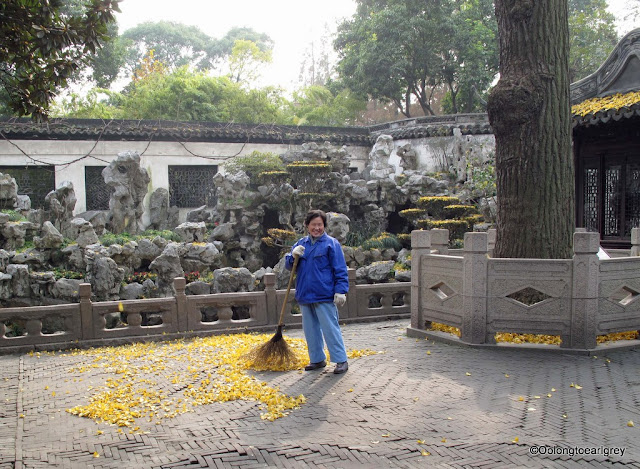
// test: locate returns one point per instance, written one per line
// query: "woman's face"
(316, 227)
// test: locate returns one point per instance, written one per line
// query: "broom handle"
(286, 295)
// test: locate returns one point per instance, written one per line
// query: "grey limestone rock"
(130, 184)
(50, 237)
(167, 266)
(191, 232)
(19, 280)
(66, 289)
(230, 279)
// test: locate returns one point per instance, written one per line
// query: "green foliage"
(166, 234)
(592, 36)
(482, 181)
(13, 215)
(59, 273)
(246, 60)
(458, 211)
(254, 164)
(435, 205)
(402, 50)
(318, 105)
(107, 239)
(383, 241)
(44, 45)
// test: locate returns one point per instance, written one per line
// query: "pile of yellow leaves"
(513, 338)
(616, 101)
(156, 381)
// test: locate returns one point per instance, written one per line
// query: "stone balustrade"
(87, 323)
(577, 299)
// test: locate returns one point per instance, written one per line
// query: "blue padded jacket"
(321, 271)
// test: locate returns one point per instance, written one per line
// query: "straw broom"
(276, 353)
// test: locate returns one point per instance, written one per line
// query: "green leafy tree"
(43, 46)
(592, 36)
(318, 105)
(246, 60)
(405, 51)
(186, 95)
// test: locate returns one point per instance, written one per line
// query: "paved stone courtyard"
(419, 404)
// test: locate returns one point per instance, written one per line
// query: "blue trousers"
(321, 320)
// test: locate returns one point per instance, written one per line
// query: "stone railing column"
(420, 247)
(585, 290)
(635, 242)
(440, 240)
(474, 288)
(86, 310)
(352, 296)
(272, 301)
(179, 285)
(492, 236)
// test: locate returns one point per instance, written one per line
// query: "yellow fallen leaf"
(96, 455)
(549, 395)
(444, 440)
(428, 352)
(521, 398)
(350, 390)
(21, 416)
(630, 423)
(386, 435)
(578, 387)
(99, 432)
(506, 375)
(421, 442)
(553, 389)
(536, 397)
(572, 385)
(468, 374)
(120, 306)
(515, 440)
(425, 453)
(564, 416)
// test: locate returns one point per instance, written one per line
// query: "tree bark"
(530, 114)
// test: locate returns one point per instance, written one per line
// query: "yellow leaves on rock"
(160, 380)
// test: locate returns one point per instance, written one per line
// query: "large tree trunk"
(530, 115)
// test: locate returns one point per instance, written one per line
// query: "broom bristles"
(273, 354)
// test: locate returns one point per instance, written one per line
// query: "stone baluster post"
(420, 247)
(182, 310)
(86, 311)
(352, 296)
(635, 242)
(474, 288)
(584, 301)
(440, 241)
(271, 299)
(492, 236)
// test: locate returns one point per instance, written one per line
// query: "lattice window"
(632, 198)
(34, 181)
(191, 186)
(611, 194)
(591, 199)
(98, 193)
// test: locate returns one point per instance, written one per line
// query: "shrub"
(456, 228)
(255, 163)
(14, 216)
(384, 241)
(435, 205)
(140, 277)
(71, 274)
(458, 211)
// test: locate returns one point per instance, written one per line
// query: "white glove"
(339, 299)
(298, 251)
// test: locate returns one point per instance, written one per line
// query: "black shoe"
(315, 366)
(341, 368)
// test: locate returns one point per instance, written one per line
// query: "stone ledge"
(447, 338)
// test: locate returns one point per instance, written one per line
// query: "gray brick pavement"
(460, 405)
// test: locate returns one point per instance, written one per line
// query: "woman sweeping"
(321, 285)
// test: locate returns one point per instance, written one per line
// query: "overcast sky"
(292, 24)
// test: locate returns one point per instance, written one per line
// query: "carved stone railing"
(577, 299)
(86, 323)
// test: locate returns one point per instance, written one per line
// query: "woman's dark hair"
(315, 214)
